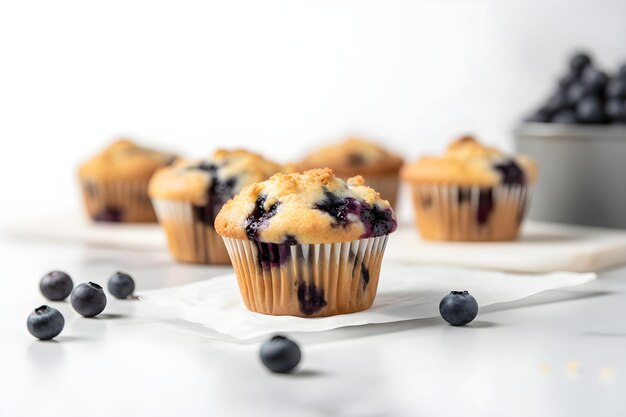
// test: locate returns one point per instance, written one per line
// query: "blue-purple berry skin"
(458, 308)
(121, 285)
(56, 285)
(45, 323)
(280, 354)
(88, 299)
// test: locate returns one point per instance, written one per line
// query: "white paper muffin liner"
(118, 201)
(387, 185)
(314, 280)
(445, 212)
(189, 238)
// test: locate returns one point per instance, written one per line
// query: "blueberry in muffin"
(114, 183)
(189, 194)
(356, 156)
(307, 245)
(472, 192)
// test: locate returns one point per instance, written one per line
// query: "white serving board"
(543, 247)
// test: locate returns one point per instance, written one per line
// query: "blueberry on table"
(565, 116)
(88, 299)
(45, 322)
(590, 110)
(458, 308)
(56, 285)
(280, 354)
(579, 62)
(121, 285)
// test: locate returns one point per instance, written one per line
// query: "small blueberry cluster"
(87, 299)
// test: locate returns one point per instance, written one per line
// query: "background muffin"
(355, 156)
(308, 244)
(472, 192)
(114, 183)
(189, 194)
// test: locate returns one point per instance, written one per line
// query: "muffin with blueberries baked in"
(471, 193)
(307, 245)
(355, 156)
(114, 183)
(188, 195)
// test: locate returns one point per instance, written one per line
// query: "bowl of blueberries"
(578, 137)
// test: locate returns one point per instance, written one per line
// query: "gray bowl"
(582, 173)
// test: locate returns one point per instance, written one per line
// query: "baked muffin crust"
(468, 162)
(309, 208)
(354, 155)
(224, 173)
(124, 160)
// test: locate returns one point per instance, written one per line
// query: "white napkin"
(404, 293)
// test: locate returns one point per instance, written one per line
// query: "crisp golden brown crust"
(467, 162)
(296, 208)
(189, 180)
(351, 157)
(123, 160)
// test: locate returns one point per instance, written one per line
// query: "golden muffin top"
(217, 178)
(308, 208)
(124, 160)
(468, 162)
(353, 156)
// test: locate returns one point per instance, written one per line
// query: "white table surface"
(561, 353)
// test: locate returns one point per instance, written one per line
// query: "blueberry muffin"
(188, 195)
(114, 183)
(307, 245)
(355, 156)
(471, 193)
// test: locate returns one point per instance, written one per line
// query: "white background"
(275, 76)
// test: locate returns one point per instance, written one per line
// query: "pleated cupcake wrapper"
(189, 238)
(313, 280)
(445, 212)
(118, 201)
(386, 185)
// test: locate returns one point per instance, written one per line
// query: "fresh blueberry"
(579, 62)
(590, 110)
(540, 116)
(615, 110)
(565, 116)
(45, 322)
(88, 299)
(575, 93)
(594, 80)
(56, 285)
(121, 285)
(557, 102)
(567, 80)
(458, 308)
(616, 88)
(280, 354)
